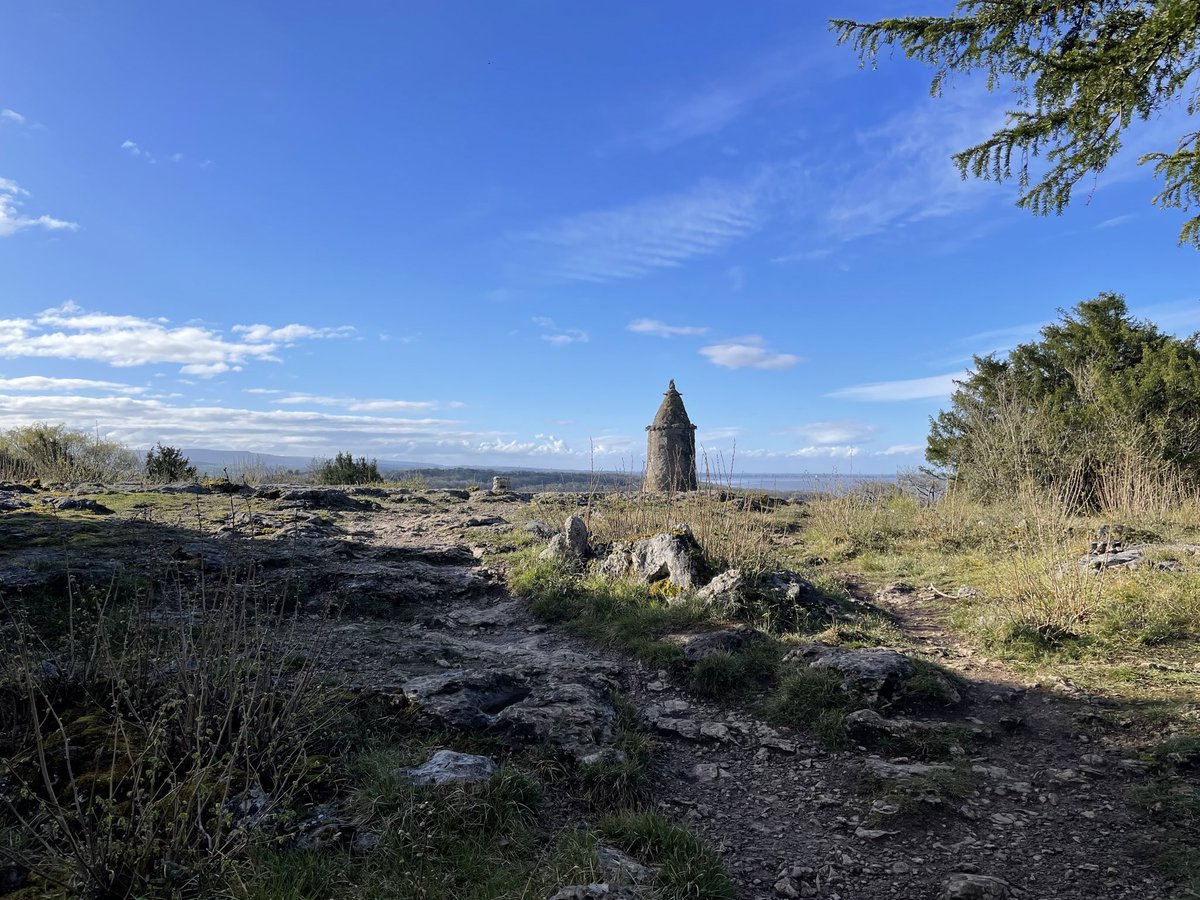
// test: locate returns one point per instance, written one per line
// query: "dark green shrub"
(345, 469)
(168, 464)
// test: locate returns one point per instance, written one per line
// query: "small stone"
(706, 772)
(622, 870)
(787, 887)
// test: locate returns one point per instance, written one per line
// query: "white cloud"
(355, 405)
(11, 115)
(837, 431)
(542, 445)
(833, 451)
(289, 333)
(133, 148)
(45, 383)
(747, 352)
(658, 233)
(662, 329)
(931, 388)
(718, 433)
(139, 420)
(11, 220)
(69, 332)
(559, 337)
(261, 391)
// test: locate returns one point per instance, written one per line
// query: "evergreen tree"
(1101, 396)
(1081, 70)
(168, 464)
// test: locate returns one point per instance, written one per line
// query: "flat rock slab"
(899, 771)
(574, 718)
(703, 644)
(969, 886)
(449, 767)
(875, 676)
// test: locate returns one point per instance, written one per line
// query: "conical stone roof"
(672, 414)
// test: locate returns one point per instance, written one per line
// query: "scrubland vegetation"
(174, 735)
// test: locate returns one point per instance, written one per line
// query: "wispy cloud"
(559, 337)
(663, 330)
(675, 116)
(290, 333)
(836, 431)
(747, 352)
(70, 332)
(11, 116)
(635, 240)
(1179, 317)
(354, 404)
(718, 434)
(903, 172)
(135, 149)
(11, 219)
(45, 383)
(541, 445)
(1115, 221)
(933, 387)
(831, 451)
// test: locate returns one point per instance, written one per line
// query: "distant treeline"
(523, 480)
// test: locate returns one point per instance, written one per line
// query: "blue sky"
(489, 233)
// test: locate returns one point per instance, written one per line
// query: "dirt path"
(1039, 803)
(1044, 808)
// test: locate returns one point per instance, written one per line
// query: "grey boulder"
(875, 677)
(700, 645)
(449, 767)
(672, 556)
(571, 544)
(969, 886)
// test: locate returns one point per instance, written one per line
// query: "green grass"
(473, 841)
(614, 613)
(634, 617)
(724, 674)
(811, 699)
(619, 784)
(1172, 798)
(688, 869)
(864, 631)
(919, 796)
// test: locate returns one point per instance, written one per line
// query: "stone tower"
(671, 447)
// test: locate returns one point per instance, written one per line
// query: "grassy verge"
(1172, 798)
(1024, 597)
(634, 618)
(180, 738)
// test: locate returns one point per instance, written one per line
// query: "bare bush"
(59, 453)
(151, 745)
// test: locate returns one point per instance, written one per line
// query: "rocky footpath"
(1028, 801)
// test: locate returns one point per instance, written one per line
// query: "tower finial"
(671, 385)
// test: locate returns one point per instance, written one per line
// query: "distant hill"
(213, 462)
